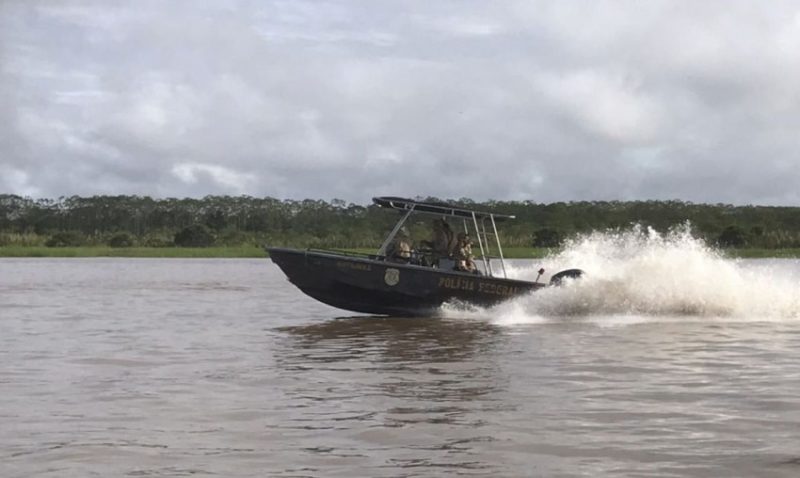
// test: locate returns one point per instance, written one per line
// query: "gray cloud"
(519, 100)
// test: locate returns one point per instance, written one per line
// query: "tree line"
(240, 220)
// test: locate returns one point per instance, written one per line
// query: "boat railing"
(416, 258)
(419, 257)
(482, 223)
(348, 253)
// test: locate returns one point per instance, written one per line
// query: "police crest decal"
(392, 277)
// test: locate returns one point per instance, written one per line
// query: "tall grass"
(24, 240)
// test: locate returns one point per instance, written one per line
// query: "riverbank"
(155, 252)
(258, 252)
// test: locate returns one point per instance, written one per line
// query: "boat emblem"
(392, 277)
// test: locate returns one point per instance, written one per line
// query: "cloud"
(549, 101)
(193, 173)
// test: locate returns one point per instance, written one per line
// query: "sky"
(506, 100)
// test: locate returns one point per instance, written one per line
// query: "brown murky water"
(139, 367)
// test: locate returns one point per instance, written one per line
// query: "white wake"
(640, 272)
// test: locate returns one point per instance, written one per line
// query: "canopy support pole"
(390, 237)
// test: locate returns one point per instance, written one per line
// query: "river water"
(170, 367)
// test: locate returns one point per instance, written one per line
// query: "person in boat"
(400, 249)
(462, 254)
(448, 239)
(442, 240)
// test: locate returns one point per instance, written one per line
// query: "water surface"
(140, 367)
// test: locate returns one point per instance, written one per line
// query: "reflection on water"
(393, 339)
(371, 376)
(413, 357)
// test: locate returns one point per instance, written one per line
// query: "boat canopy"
(434, 208)
(478, 219)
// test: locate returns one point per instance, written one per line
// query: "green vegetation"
(195, 235)
(257, 252)
(526, 252)
(224, 226)
(765, 253)
(65, 239)
(121, 239)
(108, 251)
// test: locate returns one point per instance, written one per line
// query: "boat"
(415, 282)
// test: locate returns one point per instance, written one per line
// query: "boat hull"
(373, 286)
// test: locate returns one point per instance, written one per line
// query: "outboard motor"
(541, 271)
(559, 277)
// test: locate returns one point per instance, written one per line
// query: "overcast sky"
(511, 100)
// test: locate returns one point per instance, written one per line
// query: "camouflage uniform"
(462, 254)
(442, 237)
(400, 249)
(403, 249)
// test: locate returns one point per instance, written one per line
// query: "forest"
(127, 221)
